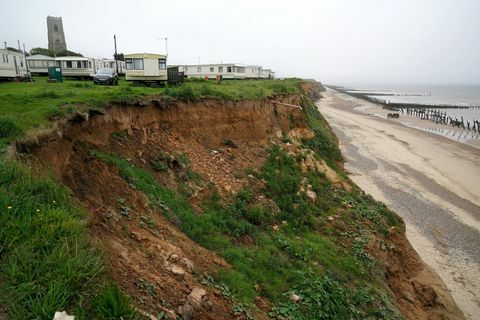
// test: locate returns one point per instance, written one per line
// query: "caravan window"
(211, 69)
(69, 64)
(220, 69)
(229, 69)
(134, 63)
(162, 64)
(79, 64)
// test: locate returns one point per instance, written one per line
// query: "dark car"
(106, 76)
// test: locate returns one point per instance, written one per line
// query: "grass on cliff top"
(28, 105)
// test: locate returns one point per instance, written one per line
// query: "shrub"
(160, 166)
(324, 142)
(322, 297)
(185, 93)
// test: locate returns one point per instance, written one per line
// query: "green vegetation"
(300, 256)
(51, 53)
(32, 105)
(47, 263)
(112, 304)
(324, 143)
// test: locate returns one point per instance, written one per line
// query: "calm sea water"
(468, 95)
(436, 95)
(453, 94)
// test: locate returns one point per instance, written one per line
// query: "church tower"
(56, 36)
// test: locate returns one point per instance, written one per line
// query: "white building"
(72, 66)
(13, 65)
(226, 70)
(146, 67)
(210, 71)
(267, 74)
(110, 63)
(39, 63)
(253, 72)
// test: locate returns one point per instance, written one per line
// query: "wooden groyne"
(424, 111)
(441, 117)
(398, 105)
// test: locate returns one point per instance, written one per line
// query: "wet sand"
(429, 180)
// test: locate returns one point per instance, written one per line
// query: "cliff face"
(128, 165)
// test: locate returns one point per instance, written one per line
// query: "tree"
(13, 49)
(65, 53)
(42, 51)
(51, 53)
(119, 56)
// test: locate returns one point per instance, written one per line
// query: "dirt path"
(429, 180)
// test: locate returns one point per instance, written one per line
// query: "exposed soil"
(223, 140)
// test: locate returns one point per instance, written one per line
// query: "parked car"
(105, 76)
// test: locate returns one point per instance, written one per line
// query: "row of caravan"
(226, 71)
(136, 67)
(72, 66)
(153, 67)
(15, 65)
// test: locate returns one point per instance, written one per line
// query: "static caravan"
(146, 67)
(226, 70)
(110, 63)
(73, 66)
(267, 74)
(13, 65)
(39, 63)
(253, 72)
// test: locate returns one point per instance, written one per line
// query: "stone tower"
(56, 37)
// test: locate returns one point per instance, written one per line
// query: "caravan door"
(151, 67)
(17, 71)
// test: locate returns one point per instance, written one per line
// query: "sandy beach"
(431, 181)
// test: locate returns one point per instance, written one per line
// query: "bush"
(324, 142)
(195, 80)
(185, 93)
(322, 297)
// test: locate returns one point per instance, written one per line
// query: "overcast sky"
(335, 41)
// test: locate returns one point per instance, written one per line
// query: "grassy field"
(28, 105)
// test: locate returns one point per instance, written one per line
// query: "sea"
(437, 95)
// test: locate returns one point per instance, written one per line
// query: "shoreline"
(447, 131)
(428, 179)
